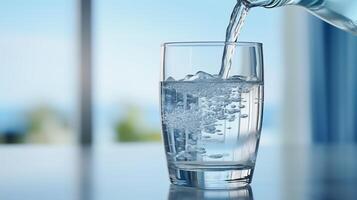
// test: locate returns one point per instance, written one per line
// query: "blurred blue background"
(39, 64)
(38, 71)
(310, 98)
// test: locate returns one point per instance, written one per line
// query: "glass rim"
(212, 43)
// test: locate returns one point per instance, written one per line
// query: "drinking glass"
(211, 124)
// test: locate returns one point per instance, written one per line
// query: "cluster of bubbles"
(196, 107)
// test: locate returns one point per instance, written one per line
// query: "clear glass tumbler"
(211, 124)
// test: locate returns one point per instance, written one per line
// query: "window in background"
(333, 84)
(127, 38)
(38, 71)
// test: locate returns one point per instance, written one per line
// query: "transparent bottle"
(340, 13)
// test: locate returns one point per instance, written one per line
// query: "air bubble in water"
(243, 116)
(194, 137)
(192, 142)
(232, 118)
(232, 111)
(215, 156)
(201, 150)
(198, 110)
(210, 129)
(179, 139)
(236, 99)
(180, 155)
(245, 90)
(222, 117)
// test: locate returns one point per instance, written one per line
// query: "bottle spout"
(265, 3)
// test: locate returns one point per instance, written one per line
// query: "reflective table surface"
(138, 171)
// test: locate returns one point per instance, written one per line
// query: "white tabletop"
(138, 171)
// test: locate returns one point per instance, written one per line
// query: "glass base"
(180, 193)
(211, 179)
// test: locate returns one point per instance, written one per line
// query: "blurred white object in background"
(296, 78)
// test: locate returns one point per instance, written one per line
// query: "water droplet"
(233, 106)
(242, 106)
(229, 128)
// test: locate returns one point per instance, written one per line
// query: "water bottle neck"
(278, 3)
(269, 3)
